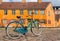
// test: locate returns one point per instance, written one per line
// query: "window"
(55, 8)
(24, 21)
(59, 8)
(13, 12)
(35, 11)
(5, 21)
(12, 20)
(29, 12)
(42, 12)
(42, 21)
(56, 12)
(29, 20)
(49, 13)
(49, 22)
(21, 12)
(5, 12)
(51, 8)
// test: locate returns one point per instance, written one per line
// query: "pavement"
(47, 34)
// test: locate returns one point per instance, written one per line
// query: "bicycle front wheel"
(10, 30)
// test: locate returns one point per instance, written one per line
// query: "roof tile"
(20, 5)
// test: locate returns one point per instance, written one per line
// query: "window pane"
(42, 12)
(59, 12)
(35, 11)
(13, 12)
(21, 12)
(56, 12)
(4, 21)
(42, 21)
(49, 13)
(49, 22)
(5, 12)
(12, 20)
(29, 12)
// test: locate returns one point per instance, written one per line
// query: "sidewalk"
(48, 34)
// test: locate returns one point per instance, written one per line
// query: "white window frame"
(29, 12)
(21, 11)
(42, 21)
(13, 12)
(5, 12)
(5, 21)
(13, 20)
(49, 13)
(36, 11)
(42, 12)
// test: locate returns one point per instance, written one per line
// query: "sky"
(54, 2)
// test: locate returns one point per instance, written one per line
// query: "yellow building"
(42, 11)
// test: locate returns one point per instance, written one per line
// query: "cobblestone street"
(47, 34)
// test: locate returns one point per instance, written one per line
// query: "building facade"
(57, 15)
(42, 11)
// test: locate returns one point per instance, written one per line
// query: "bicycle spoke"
(10, 30)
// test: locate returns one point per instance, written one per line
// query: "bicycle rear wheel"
(35, 28)
(10, 30)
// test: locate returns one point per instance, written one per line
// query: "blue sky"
(54, 2)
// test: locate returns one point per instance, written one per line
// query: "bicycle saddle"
(18, 17)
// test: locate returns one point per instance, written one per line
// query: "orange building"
(42, 11)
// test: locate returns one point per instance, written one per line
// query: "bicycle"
(15, 28)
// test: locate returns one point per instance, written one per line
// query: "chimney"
(0, 1)
(39, 0)
(23, 0)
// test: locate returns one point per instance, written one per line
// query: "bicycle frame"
(23, 29)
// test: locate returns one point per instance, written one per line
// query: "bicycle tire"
(35, 28)
(12, 36)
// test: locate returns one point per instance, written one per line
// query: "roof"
(26, 5)
(56, 6)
